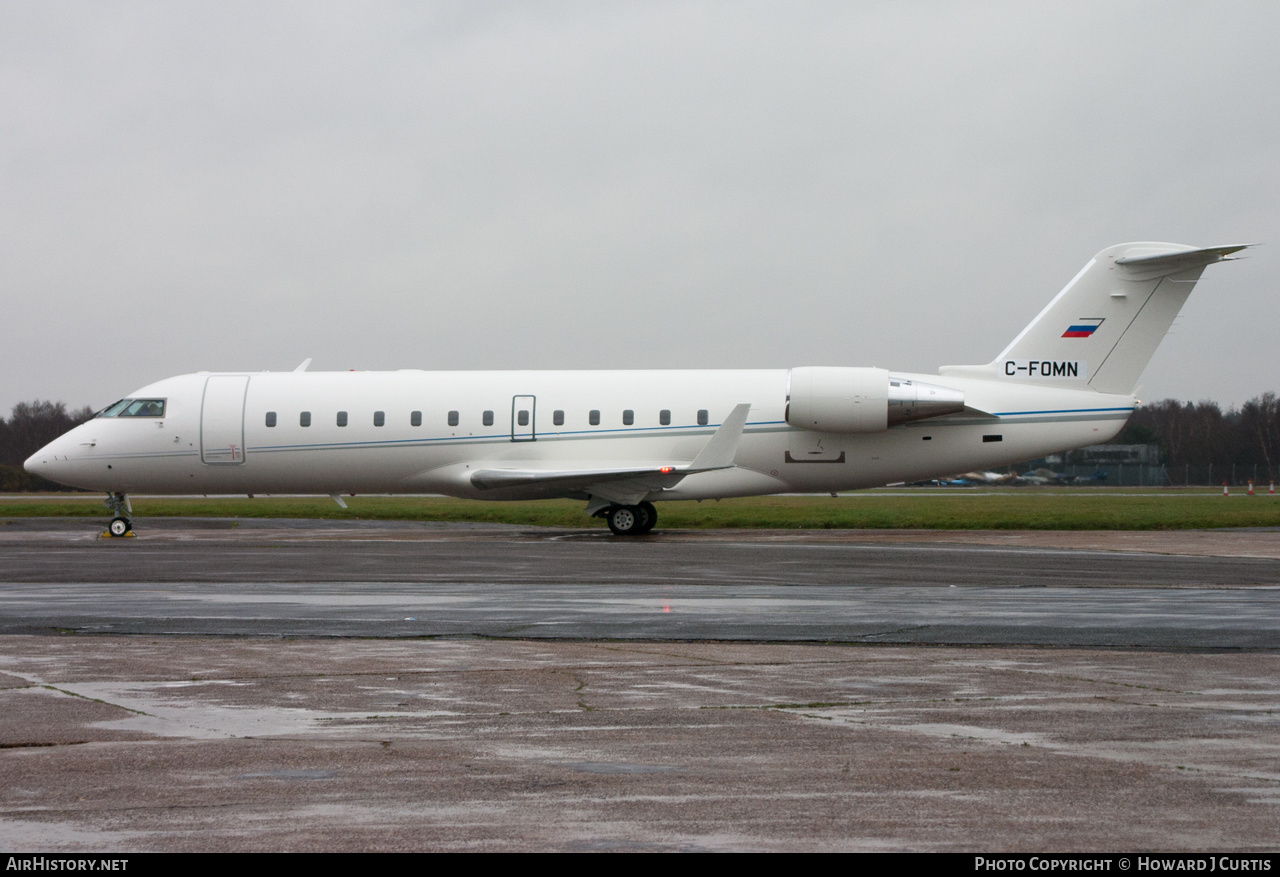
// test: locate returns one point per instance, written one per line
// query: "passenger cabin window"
(342, 418)
(664, 417)
(557, 417)
(488, 418)
(702, 417)
(379, 418)
(628, 417)
(453, 418)
(415, 418)
(271, 418)
(304, 419)
(135, 408)
(594, 418)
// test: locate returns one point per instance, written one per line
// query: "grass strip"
(1022, 509)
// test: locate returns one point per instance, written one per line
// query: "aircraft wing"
(629, 485)
(624, 486)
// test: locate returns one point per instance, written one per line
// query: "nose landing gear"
(122, 523)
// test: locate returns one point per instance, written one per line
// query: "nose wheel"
(122, 523)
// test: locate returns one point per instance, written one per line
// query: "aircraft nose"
(51, 461)
(39, 463)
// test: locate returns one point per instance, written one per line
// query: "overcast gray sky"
(232, 186)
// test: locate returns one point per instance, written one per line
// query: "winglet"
(303, 367)
(723, 446)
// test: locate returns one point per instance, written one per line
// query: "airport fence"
(1147, 475)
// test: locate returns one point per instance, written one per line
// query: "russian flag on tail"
(1083, 327)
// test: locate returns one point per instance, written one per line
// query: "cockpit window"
(135, 408)
(113, 409)
(144, 408)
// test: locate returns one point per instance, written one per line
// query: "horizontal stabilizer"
(1178, 260)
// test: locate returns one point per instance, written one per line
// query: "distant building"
(1107, 455)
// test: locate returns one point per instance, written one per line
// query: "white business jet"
(624, 440)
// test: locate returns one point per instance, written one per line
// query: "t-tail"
(1103, 328)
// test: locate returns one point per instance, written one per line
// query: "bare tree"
(31, 426)
(1260, 422)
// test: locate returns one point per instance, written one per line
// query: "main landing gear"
(122, 523)
(631, 520)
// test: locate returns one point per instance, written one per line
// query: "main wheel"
(650, 515)
(119, 526)
(624, 520)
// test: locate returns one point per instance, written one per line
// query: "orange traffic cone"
(1225, 492)
(1272, 491)
(1251, 488)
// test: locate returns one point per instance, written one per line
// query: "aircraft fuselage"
(398, 436)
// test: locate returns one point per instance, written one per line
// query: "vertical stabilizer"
(1105, 325)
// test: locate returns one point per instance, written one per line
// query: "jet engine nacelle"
(827, 399)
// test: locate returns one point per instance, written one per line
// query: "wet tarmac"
(374, 579)
(306, 686)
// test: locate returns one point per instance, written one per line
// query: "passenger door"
(222, 419)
